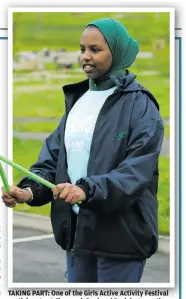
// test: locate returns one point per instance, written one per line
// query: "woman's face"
(95, 57)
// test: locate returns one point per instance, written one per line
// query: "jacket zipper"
(72, 257)
(73, 248)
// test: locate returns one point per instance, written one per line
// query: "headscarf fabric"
(123, 47)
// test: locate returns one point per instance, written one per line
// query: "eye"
(95, 50)
(82, 49)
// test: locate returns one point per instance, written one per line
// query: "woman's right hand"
(15, 195)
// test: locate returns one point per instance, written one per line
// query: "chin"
(92, 76)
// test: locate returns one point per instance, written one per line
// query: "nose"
(86, 56)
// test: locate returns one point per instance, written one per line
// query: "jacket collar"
(81, 87)
(124, 84)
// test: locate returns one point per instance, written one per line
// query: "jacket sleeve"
(45, 167)
(119, 188)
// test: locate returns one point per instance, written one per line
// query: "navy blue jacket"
(119, 217)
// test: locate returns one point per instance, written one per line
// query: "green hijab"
(123, 47)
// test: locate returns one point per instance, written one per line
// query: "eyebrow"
(90, 45)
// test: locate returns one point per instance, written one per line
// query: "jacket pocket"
(60, 220)
(140, 226)
(109, 234)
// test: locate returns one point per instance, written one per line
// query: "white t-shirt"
(79, 131)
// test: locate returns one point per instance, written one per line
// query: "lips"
(88, 67)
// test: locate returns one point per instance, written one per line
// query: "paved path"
(43, 261)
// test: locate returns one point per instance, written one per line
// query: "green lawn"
(164, 195)
(26, 152)
(49, 103)
(167, 130)
(34, 31)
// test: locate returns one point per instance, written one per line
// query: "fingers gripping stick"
(26, 172)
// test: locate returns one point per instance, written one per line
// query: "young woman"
(104, 153)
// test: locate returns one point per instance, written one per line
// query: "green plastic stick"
(3, 176)
(26, 172)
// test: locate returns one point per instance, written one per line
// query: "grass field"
(55, 31)
(63, 30)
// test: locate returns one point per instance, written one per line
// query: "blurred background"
(46, 57)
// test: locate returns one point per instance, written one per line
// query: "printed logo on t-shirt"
(85, 125)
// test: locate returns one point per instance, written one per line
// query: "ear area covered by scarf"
(123, 47)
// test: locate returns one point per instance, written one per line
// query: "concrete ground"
(38, 259)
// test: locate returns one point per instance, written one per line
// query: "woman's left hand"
(70, 193)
